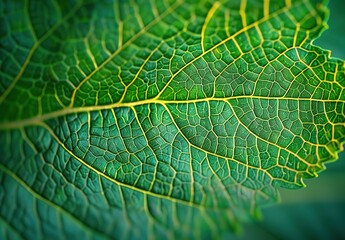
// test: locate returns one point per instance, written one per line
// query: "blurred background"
(317, 211)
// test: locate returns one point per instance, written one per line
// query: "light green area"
(157, 119)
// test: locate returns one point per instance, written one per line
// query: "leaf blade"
(176, 118)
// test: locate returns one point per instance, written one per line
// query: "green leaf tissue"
(150, 119)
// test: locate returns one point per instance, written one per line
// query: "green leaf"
(152, 119)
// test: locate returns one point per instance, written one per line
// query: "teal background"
(317, 211)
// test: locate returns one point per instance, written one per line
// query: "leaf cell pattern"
(124, 119)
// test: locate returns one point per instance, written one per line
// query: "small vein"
(47, 201)
(266, 7)
(254, 24)
(243, 12)
(227, 22)
(209, 16)
(288, 3)
(154, 8)
(125, 212)
(117, 51)
(15, 230)
(203, 150)
(137, 14)
(140, 70)
(26, 7)
(264, 140)
(120, 184)
(140, 124)
(120, 23)
(34, 48)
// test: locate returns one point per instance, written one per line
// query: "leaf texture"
(151, 119)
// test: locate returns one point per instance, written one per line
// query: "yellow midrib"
(74, 110)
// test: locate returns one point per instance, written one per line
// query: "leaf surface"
(154, 118)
